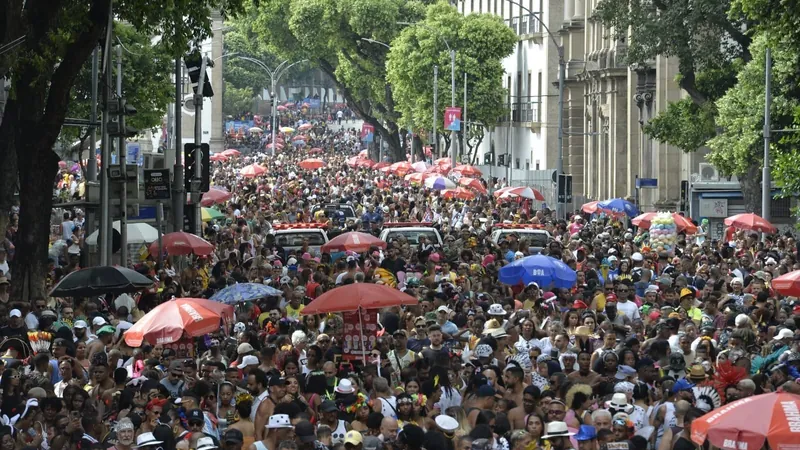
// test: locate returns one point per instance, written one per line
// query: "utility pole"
(273, 94)
(122, 158)
(435, 100)
(178, 191)
(453, 134)
(104, 234)
(91, 163)
(198, 140)
(464, 114)
(766, 189)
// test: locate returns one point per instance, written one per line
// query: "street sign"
(647, 183)
(452, 118)
(156, 184)
(367, 132)
(134, 154)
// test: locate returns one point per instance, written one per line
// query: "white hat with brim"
(446, 423)
(345, 386)
(557, 429)
(146, 440)
(206, 443)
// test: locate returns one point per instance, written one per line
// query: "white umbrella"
(256, 130)
(138, 233)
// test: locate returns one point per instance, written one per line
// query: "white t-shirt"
(629, 309)
(67, 227)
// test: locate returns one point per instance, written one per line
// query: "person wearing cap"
(443, 320)
(233, 439)
(400, 356)
(15, 327)
(278, 429)
(484, 400)
(353, 440)
(307, 436)
(266, 408)
(173, 380)
(586, 437)
(105, 337)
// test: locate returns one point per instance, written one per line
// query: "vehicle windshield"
(533, 239)
(295, 239)
(413, 236)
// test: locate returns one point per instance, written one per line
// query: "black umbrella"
(99, 281)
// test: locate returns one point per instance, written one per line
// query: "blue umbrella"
(245, 292)
(619, 205)
(543, 270)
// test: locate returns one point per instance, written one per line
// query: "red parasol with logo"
(169, 321)
(215, 196)
(788, 284)
(747, 423)
(750, 221)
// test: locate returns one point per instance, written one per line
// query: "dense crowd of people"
(641, 345)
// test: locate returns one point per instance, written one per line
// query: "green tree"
(237, 100)
(59, 38)
(481, 41)
(707, 39)
(147, 68)
(330, 34)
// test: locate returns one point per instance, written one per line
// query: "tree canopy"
(481, 41)
(59, 36)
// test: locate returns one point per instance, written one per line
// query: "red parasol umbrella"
(354, 242)
(416, 178)
(315, 150)
(381, 165)
(442, 161)
(231, 152)
(788, 284)
(591, 207)
(472, 183)
(305, 127)
(521, 192)
(169, 321)
(366, 163)
(312, 164)
(218, 157)
(358, 295)
(401, 168)
(353, 161)
(747, 423)
(278, 146)
(252, 171)
(750, 221)
(215, 196)
(281, 108)
(459, 193)
(468, 171)
(300, 137)
(684, 224)
(181, 243)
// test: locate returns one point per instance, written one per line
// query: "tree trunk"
(750, 181)
(8, 162)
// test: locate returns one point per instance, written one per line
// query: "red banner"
(360, 337)
(452, 118)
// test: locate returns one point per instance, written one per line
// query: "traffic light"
(488, 159)
(121, 109)
(189, 162)
(501, 160)
(194, 63)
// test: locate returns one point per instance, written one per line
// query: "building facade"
(606, 104)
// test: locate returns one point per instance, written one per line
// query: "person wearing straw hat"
(147, 440)
(558, 434)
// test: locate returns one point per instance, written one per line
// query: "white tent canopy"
(138, 233)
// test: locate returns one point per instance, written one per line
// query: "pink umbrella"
(315, 150)
(288, 105)
(278, 145)
(366, 163)
(381, 165)
(363, 154)
(468, 171)
(352, 162)
(401, 168)
(420, 166)
(215, 196)
(305, 127)
(519, 192)
(300, 137)
(218, 157)
(253, 170)
(231, 152)
(281, 108)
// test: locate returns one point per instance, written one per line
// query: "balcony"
(526, 26)
(524, 111)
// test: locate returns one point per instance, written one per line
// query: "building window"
(516, 163)
(527, 164)
(537, 164)
(781, 207)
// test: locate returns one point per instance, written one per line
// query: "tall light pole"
(274, 77)
(453, 137)
(562, 71)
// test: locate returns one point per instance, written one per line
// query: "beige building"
(605, 104)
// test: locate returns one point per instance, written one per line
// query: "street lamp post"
(562, 70)
(274, 77)
(453, 137)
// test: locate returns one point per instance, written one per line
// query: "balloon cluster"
(663, 233)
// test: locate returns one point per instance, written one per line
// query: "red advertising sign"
(452, 118)
(360, 336)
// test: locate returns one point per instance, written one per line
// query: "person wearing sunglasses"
(174, 379)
